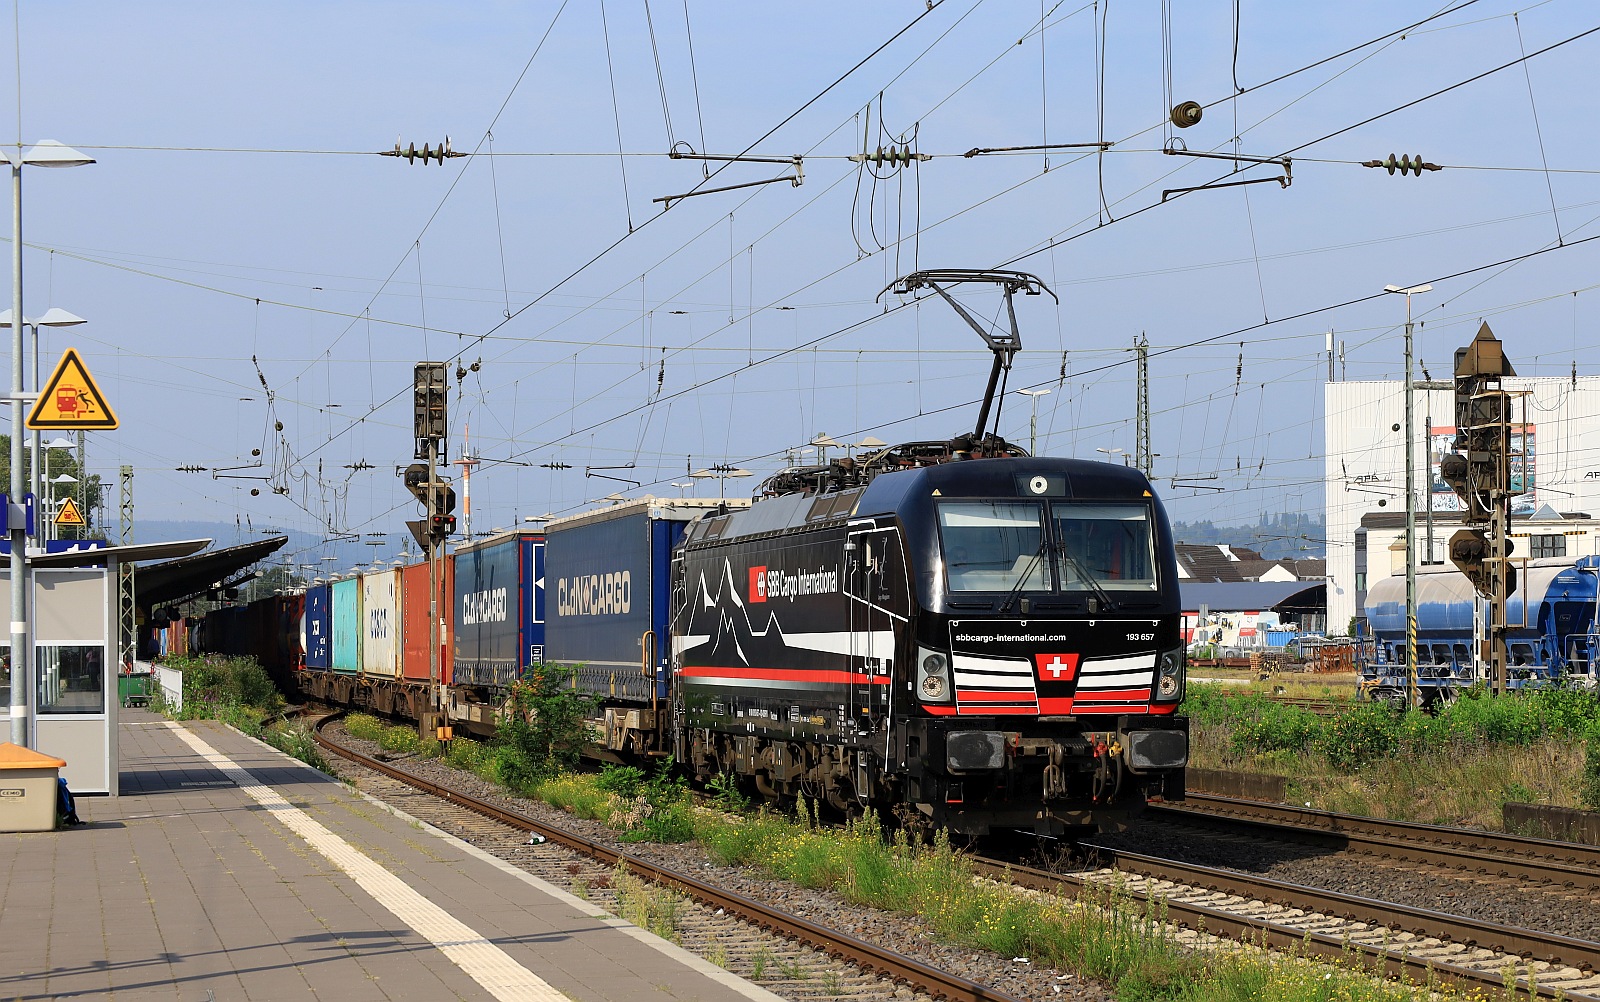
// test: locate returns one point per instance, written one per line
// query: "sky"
(256, 277)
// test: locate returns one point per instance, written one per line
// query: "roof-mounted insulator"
(412, 154)
(1405, 164)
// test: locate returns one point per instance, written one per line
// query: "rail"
(1467, 953)
(1568, 865)
(886, 963)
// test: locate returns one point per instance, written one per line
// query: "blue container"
(319, 628)
(347, 625)
(499, 609)
(610, 586)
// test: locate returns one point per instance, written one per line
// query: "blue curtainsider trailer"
(498, 619)
(610, 590)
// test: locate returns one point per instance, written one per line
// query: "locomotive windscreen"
(1109, 543)
(993, 545)
(1002, 546)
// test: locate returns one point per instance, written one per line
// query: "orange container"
(414, 664)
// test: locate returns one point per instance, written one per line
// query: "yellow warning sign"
(69, 513)
(71, 399)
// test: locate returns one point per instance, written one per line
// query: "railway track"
(1399, 941)
(865, 956)
(1545, 863)
(1415, 944)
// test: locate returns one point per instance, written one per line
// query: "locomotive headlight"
(933, 676)
(1170, 677)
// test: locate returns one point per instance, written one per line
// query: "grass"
(1101, 934)
(1458, 767)
(646, 905)
(295, 738)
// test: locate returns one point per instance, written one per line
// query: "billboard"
(1523, 462)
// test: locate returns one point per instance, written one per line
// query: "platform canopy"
(175, 580)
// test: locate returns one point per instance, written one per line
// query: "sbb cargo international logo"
(758, 584)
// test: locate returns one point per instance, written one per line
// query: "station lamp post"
(1411, 506)
(47, 153)
(1110, 453)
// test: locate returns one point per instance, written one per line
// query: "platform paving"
(226, 870)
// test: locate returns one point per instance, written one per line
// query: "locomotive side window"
(1109, 543)
(992, 545)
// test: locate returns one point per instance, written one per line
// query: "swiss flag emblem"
(1056, 667)
(758, 584)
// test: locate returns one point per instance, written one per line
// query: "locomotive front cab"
(1048, 664)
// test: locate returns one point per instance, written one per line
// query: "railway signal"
(1479, 471)
(430, 390)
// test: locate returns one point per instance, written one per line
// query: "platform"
(226, 871)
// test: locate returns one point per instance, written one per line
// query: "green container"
(134, 690)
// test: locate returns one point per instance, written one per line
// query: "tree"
(87, 492)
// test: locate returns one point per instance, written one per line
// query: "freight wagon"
(1553, 638)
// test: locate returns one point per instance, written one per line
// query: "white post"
(21, 672)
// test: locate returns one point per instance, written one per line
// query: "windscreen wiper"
(1027, 572)
(1100, 593)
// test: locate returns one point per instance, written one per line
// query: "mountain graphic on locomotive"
(952, 632)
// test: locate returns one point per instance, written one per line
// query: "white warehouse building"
(1556, 458)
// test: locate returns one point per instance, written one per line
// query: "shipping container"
(415, 663)
(291, 610)
(317, 631)
(347, 626)
(498, 612)
(380, 616)
(610, 589)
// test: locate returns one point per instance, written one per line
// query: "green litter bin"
(134, 689)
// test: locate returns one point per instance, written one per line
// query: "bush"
(544, 728)
(363, 726)
(1363, 734)
(1590, 793)
(1277, 728)
(224, 687)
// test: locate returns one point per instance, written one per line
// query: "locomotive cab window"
(1108, 543)
(993, 545)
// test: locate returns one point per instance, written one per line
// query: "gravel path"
(905, 934)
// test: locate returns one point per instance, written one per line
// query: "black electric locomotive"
(990, 643)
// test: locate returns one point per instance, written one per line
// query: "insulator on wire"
(893, 156)
(1186, 114)
(1404, 164)
(427, 153)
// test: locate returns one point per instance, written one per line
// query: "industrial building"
(1556, 461)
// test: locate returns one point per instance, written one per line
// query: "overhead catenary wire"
(752, 244)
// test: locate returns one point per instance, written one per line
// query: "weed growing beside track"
(1458, 766)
